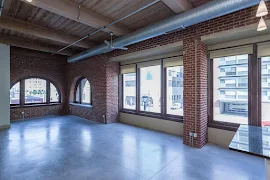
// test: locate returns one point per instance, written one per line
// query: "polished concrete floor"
(71, 148)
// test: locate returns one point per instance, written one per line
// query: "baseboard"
(4, 127)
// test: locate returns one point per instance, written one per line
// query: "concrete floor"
(72, 148)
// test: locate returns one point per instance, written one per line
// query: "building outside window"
(175, 90)
(150, 89)
(265, 70)
(230, 86)
(35, 90)
(129, 91)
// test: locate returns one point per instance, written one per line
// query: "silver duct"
(203, 13)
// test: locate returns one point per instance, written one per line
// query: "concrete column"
(195, 92)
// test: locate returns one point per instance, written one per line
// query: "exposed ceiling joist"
(41, 32)
(30, 45)
(178, 6)
(78, 13)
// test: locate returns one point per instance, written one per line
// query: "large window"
(265, 87)
(174, 89)
(15, 94)
(83, 92)
(34, 91)
(159, 90)
(230, 89)
(150, 89)
(129, 91)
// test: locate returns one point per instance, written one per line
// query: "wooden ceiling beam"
(18, 42)
(178, 6)
(41, 32)
(71, 10)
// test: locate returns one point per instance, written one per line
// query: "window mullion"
(22, 92)
(163, 89)
(138, 95)
(48, 92)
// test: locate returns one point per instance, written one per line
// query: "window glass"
(150, 87)
(35, 90)
(265, 91)
(77, 98)
(129, 91)
(175, 89)
(53, 93)
(86, 94)
(15, 94)
(230, 94)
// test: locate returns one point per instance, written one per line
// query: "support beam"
(178, 6)
(72, 11)
(41, 32)
(30, 45)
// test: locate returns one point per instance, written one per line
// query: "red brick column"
(191, 56)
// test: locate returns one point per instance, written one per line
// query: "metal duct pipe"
(1, 6)
(203, 13)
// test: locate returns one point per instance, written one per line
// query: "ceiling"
(110, 10)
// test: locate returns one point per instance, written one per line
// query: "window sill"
(224, 126)
(82, 105)
(33, 105)
(152, 115)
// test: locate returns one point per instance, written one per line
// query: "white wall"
(170, 127)
(4, 86)
(215, 136)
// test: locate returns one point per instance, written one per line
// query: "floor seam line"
(166, 165)
(117, 163)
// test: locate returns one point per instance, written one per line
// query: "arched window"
(34, 91)
(83, 92)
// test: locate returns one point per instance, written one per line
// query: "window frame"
(48, 92)
(254, 86)
(163, 96)
(79, 84)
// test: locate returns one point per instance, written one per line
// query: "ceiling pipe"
(194, 16)
(1, 7)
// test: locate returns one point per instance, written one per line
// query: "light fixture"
(29, 0)
(262, 26)
(262, 9)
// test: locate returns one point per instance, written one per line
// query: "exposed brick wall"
(190, 57)
(27, 63)
(103, 78)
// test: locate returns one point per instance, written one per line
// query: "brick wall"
(195, 55)
(103, 78)
(27, 63)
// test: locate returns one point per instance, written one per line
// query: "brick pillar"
(189, 91)
(112, 74)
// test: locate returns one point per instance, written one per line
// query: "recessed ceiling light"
(262, 26)
(262, 9)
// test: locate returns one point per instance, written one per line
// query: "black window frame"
(48, 92)
(163, 98)
(79, 84)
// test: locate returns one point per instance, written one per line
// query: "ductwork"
(203, 13)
